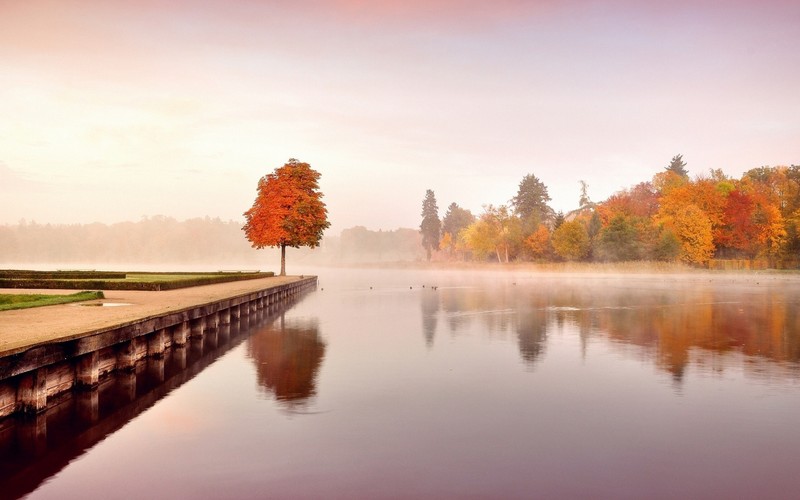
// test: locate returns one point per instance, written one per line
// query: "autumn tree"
(538, 242)
(497, 230)
(431, 226)
(288, 210)
(692, 228)
(509, 230)
(776, 193)
(738, 233)
(753, 226)
(639, 201)
(480, 237)
(571, 240)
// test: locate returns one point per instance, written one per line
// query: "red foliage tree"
(288, 210)
(740, 231)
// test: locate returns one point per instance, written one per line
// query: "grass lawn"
(24, 301)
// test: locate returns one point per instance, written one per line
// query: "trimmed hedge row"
(98, 284)
(65, 275)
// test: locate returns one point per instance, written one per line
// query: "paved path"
(23, 328)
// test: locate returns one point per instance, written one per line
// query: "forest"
(671, 217)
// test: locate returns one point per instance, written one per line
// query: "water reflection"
(287, 356)
(532, 334)
(430, 309)
(482, 388)
(675, 325)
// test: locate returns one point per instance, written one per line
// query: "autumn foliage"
(670, 217)
(288, 210)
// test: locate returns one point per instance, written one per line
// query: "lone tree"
(431, 227)
(678, 166)
(288, 211)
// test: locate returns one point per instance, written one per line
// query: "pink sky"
(117, 110)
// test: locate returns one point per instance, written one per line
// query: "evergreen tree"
(456, 219)
(530, 203)
(559, 219)
(431, 226)
(678, 166)
(584, 201)
(619, 241)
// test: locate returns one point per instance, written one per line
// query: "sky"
(118, 110)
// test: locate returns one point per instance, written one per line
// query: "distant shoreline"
(561, 267)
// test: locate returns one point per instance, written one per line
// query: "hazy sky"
(114, 110)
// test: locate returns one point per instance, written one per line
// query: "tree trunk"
(283, 259)
(497, 252)
(428, 249)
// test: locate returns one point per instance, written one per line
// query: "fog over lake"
(404, 383)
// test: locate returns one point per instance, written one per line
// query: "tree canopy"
(668, 218)
(288, 210)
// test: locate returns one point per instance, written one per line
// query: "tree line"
(671, 217)
(206, 241)
(155, 240)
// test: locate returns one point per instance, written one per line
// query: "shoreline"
(574, 269)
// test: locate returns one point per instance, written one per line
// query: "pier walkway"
(22, 329)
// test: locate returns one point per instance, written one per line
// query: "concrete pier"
(30, 376)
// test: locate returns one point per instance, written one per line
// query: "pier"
(47, 352)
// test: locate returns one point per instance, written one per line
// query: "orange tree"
(288, 210)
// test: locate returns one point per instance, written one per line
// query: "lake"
(451, 384)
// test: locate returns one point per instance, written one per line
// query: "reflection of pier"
(35, 447)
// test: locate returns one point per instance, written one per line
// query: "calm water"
(491, 385)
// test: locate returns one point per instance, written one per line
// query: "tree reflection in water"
(287, 356)
(430, 310)
(708, 326)
(532, 335)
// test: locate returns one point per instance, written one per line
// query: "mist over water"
(407, 383)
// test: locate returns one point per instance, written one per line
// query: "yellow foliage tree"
(447, 243)
(480, 238)
(571, 240)
(772, 230)
(693, 229)
(496, 230)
